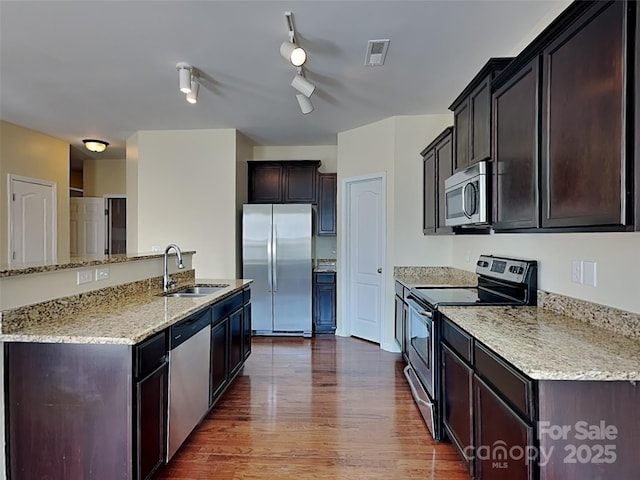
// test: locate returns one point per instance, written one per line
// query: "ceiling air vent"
(376, 52)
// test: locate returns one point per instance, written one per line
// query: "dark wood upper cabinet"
(584, 121)
(283, 181)
(437, 166)
(472, 116)
(565, 149)
(515, 169)
(327, 200)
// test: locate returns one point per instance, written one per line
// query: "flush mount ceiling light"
(192, 96)
(94, 145)
(289, 49)
(184, 72)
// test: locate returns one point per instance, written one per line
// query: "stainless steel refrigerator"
(276, 254)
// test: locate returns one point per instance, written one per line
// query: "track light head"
(293, 53)
(303, 85)
(305, 104)
(192, 96)
(184, 73)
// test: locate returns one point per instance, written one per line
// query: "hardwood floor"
(326, 407)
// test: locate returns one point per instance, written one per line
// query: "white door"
(87, 226)
(33, 218)
(365, 257)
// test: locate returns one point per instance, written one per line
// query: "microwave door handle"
(464, 196)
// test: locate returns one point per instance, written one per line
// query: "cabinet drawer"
(513, 386)
(459, 341)
(150, 354)
(329, 278)
(227, 306)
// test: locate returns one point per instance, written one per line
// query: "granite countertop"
(440, 276)
(127, 324)
(75, 262)
(546, 345)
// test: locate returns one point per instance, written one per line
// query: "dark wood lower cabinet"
(457, 379)
(151, 424)
(235, 349)
(324, 302)
(246, 332)
(69, 410)
(219, 358)
(502, 440)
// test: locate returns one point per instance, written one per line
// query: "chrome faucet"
(167, 281)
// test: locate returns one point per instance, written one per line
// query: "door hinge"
(106, 211)
(13, 255)
(13, 197)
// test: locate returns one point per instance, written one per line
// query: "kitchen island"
(88, 376)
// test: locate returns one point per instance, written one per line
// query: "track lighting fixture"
(94, 145)
(289, 49)
(303, 85)
(305, 104)
(184, 72)
(192, 96)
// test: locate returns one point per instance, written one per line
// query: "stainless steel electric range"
(501, 281)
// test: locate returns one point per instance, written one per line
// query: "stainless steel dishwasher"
(189, 351)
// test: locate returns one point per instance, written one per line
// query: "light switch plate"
(576, 271)
(589, 273)
(85, 276)
(102, 273)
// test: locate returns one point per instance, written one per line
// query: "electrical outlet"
(85, 276)
(156, 248)
(102, 273)
(589, 273)
(576, 271)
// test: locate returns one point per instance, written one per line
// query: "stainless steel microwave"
(467, 196)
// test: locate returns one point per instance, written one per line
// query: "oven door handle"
(419, 308)
(414, 392)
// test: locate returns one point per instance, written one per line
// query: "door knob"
(380, 270)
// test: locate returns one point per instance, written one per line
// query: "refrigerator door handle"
(270, 261)
(274, 259)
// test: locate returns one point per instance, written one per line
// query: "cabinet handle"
(380, 270)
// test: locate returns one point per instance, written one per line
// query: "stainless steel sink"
(195, 291)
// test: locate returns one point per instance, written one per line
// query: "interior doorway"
(364, 256)
(33, 218)
(116, 224)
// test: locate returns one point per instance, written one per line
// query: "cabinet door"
(246, 331)
(300, 183)
(324, 300)
(429, 193)
(444, 169)
(499, 430)
(461, 120)
(327, 204)
(480, 123)
(584, 118)
(265, 183)
(235, 347)
(457, 405)
(219, 358)
(515, 171)
(151, 427)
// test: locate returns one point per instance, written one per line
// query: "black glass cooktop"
(459, 296)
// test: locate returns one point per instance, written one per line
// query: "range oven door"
(422, 368)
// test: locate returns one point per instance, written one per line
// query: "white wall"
(184, 190)
(410, 246)
(392, 146)
(327, 154)
(616, 256)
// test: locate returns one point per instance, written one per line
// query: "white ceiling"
(106, 69)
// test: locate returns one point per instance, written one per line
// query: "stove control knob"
(482, 263)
